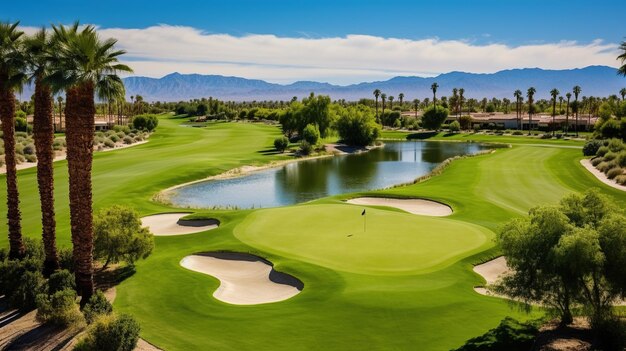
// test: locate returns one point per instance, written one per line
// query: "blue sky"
(591, 27)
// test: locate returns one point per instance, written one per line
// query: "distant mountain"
(594, 80)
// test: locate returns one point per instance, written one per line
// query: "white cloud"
(159, 50)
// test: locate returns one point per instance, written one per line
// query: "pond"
(395, 163)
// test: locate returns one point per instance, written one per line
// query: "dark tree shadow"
(421, 135)
(111, 277)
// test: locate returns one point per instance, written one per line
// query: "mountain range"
(594, 81)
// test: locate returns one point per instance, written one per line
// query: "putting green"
(334, 236)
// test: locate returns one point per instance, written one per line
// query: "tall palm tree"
(568, 96)
(85, 65)
(401, 98)
(576, 91)
(383, 98)
(60, 101)
(461, 98)
(454, 100)
(518, 107)
(622, 58)
(376, 95)
(416, 104)
(38, 48)
(554, 93)
(391, 102)
(622, 92)
(12, 76)
(530, 93)
(560, 104)
(434, 87)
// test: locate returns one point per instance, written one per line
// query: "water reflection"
(396, 163)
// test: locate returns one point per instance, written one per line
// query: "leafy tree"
(611, 129)
(434, 117)
(119, 236)
(465, 122)
(281, 143)
(111, 333)
(357, 127)
(311, 134)
(455, 126)
(97, 306)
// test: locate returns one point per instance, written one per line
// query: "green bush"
(621, 159)
(128, 140)
(455, 126)
(610, 156)
(614, 172)
(66, 259)
(21, 124)
(111, 333)
(281, 143)
(59, 308)
(611, 129)
(145, 122)
(27, 287)
(311, 134)
(61, 280)
(466, 122)
(621, 179)
(602, 151)
(615, 145)
(596, 161)
(30, 158)
(509, 335)
(114, 138)
(433, 117)
(591, 147)
(97, 306)
(305, 148)
(124, 129)
(29, 149)
(109, 143)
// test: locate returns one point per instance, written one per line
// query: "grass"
(404, 284)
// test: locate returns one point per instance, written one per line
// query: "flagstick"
(365, 222)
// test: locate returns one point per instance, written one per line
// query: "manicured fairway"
(404, 284)
(381, 242)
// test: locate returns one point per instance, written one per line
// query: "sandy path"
(415, 206)
(601, 176)
(244, 279)
(60, 155)
(171, 224)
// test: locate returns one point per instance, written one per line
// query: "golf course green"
(405, 282)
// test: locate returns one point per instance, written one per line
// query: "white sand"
(491, 271)
(601, 176)
(168, 224)
(415, 206)
(242, 282)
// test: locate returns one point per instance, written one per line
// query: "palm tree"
(622, 57)
(461, 98)
(518, 107)
(622, 92)
(38, 48)
(576, 91)
(401, 98)
(391, 102)
(416, 104)
(376, 95)
(530, 93)
(434, 87)
(454, 100)
(85, 65)
(554, 93)
(560, 105)
(569, 96)
(12, 76)
(60, 101)
(383, 98)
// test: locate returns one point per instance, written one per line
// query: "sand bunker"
(491, 271)
(244, 279)
(171, 224)
(415, 206)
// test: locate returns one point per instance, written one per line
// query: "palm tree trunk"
(79, 119)
(43, 133)
(7, 117)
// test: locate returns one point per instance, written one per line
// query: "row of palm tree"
(554, 93)
(76, 61)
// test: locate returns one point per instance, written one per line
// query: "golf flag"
(363, 213)
(364, 220)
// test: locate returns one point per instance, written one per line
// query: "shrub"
(61, 280)
(145, 122)
(509, 335)
(621, 179)
(466, 122)
(357, 127)
(591, 147)
(602, 151)
(138, 138)
(128, 140)
(119, 236)
(615, 145)
(19, 149)
(305, 147)
(124, 129)
(281, 143)
(27, 287)
(111, 333)
(60, 308)
(614, 172)
(114, 138)
(311, 134)
(517, 132)
(546, 136)
(66, 259)
(109, 143)
(30, 158)
(433, 117)
(121, 134)
(21, 124)
(29, 149)
(621, 159)
(454, 126)
(596, 161)
(610, 156)
(97, 306)
(604, 166)
(611, 129)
